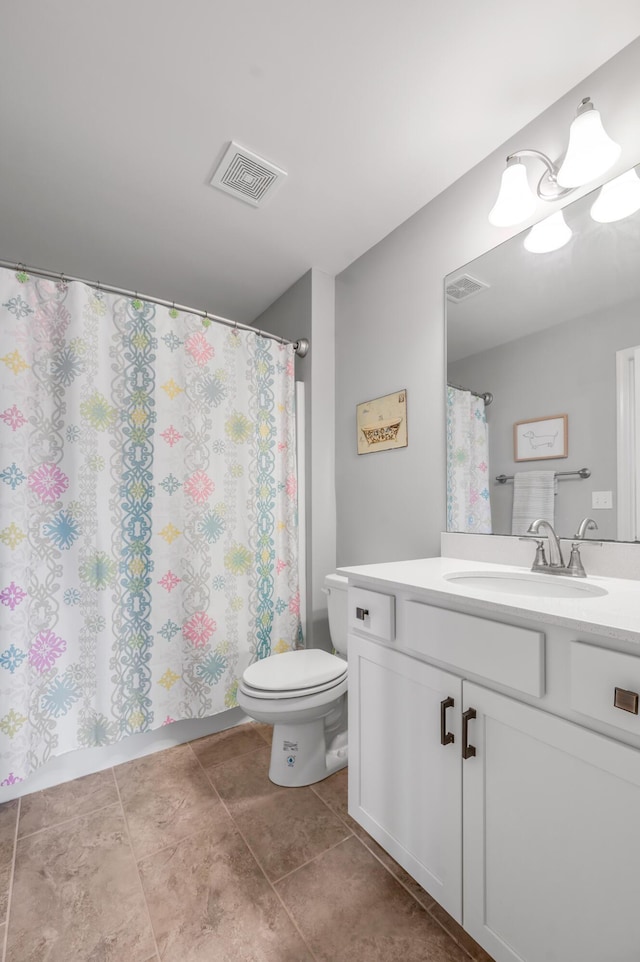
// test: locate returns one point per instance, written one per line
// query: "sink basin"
(531, 584)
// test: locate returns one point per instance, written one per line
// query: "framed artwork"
(382, 423)
(541, 438)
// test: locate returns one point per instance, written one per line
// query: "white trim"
(628, 442)
(302, 516)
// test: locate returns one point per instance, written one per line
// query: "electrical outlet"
(601, 499)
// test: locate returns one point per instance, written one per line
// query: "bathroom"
(376, 327)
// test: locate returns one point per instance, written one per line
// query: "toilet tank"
(336, 591)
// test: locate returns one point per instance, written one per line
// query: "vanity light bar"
(591, 152)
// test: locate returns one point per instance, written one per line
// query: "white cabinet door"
(551, 837)
(404, 785)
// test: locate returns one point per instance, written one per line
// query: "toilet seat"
(293, 674)
(292, 692)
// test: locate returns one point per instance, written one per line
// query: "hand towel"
(533, 493)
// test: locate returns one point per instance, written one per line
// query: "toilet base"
(299, 754)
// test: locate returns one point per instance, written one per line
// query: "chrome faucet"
(555, 551)
(556, 565)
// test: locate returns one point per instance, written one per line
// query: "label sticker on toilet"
(290, 747)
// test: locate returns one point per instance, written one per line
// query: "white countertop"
(614, 615)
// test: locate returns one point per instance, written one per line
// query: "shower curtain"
(468, 504)
(148, 516)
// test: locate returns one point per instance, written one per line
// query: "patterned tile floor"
(191, 855)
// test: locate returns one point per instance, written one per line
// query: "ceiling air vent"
(246, 176)
(464, 286)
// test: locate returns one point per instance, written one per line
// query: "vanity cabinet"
(405, 787)
(532, 842)
(550, 837)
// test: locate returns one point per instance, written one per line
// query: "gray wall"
(568, 369)
(307, 309)
(390, 327)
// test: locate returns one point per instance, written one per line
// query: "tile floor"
(192, 855)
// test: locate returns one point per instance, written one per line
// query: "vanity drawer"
(371, 613)
(506, 654)
(596, 673)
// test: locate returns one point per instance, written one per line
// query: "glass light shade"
(617, 199)
(590, 152)
(549, 235)
(515, 201)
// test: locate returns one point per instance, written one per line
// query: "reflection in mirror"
(547, 335)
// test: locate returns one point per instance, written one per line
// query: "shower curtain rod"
(487, 397)
(301, 346)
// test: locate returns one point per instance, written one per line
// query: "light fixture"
(590, 153)
(515, 201)
(618, 199)
(549, 235)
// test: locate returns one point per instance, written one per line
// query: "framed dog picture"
(541, 438)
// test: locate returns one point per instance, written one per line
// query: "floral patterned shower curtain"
(148, 516)
(468, 503)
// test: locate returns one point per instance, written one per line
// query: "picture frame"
(540, 439)
(381, 423)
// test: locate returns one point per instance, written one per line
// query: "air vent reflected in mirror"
(463, 286)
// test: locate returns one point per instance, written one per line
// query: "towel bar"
(582, 473)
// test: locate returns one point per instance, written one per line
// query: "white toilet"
(303, 694)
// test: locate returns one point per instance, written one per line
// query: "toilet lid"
(295, 670)
(295, 694)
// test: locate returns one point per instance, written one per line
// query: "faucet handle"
(575, 566)
(540, 560)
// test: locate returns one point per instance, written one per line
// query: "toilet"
(303, 694)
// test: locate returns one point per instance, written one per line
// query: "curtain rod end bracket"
(301, 347)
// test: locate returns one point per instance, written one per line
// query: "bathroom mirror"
(549, 335)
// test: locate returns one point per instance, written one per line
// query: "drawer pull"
(446, 738)
(468, 751)
(626, 700)
(362, 613)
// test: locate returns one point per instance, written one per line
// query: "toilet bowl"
(303, 694)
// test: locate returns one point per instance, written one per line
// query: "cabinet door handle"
(468, 751)
(626, 700)
(446, 738)
(361, 613)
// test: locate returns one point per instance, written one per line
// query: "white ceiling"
(113, 116)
